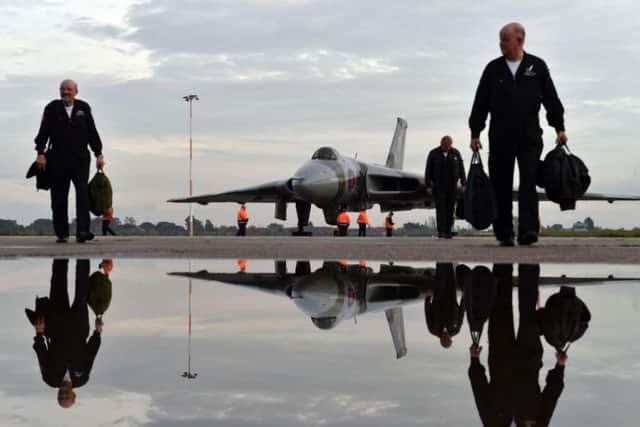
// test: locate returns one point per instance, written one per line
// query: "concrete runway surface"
(480, 249)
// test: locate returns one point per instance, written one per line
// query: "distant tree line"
(130, 227)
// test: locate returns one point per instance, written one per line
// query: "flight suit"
(68, 160)
(442, 173)
(515, 133)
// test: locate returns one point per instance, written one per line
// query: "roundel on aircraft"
(352, 180)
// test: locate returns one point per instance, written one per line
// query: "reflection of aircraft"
(330, 181)
(336, 292)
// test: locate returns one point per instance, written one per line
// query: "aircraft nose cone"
(316, 183)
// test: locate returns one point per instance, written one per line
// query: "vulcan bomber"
(330, 181)
(338, 291)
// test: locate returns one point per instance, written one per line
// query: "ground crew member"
(243, 219)
(363, 221)
(107, 266)
(242, 265)
(443, 170)
(388, 224)
(68, 127)
(107, 217)
(511, 89)
(343, 222)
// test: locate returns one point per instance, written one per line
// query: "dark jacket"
(68, 137)
(67, 352)
(494, 411)
(437, 162)
(514, 104)
(443, 310)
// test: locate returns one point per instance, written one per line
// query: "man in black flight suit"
(64, 354)
(68, 126)
(443, 170)
(511, 89)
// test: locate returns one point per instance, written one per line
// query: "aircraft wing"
(269, 282)
(270, 192)
(590, 196)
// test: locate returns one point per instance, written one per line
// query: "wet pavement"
(240, 342)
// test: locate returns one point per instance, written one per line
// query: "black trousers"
(445, 205)
(343, 229)
(389, 232)
(242, 229)
(63, 173)
(362, 230)
(106, 228)
(502, 157)
(75, 315)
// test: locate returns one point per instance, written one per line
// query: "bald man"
(511, 88)
(68, 128)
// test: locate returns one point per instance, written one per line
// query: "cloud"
(109, 408)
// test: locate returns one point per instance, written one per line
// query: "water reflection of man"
(64, 354)
(443, 314)
(515, 361)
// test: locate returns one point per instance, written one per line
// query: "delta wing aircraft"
(337, 291)
(331, 181)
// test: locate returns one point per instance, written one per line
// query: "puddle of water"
(315, 343)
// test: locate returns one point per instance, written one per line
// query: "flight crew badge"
(529, 71)
(79, 113)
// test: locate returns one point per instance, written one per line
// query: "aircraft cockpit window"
(325, 153)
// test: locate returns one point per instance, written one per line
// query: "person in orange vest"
(243, 219)
(107, 266)
(388, 224)
(107, 217)
(242, 265)
(363, 221)
(343, 222)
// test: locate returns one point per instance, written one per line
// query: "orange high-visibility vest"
(388, 223)
(242, 215)
(343, 218)
(107, 265)
(242, 264)
(108, 215)
(362, 217)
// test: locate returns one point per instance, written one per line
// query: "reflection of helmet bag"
(479, 297)
(100, 194)
(99, 292)
(566, 318)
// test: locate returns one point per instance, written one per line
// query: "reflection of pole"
(189, 99)
(188, 374)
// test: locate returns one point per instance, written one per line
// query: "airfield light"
(189, 99)
(188, 374)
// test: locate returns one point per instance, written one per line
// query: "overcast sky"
(277, 79)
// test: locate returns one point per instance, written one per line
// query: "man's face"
(66, 395)
(446, 146)
(68, 91)
(509, 44)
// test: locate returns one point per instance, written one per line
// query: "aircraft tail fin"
(396, 326)
(395, 158)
